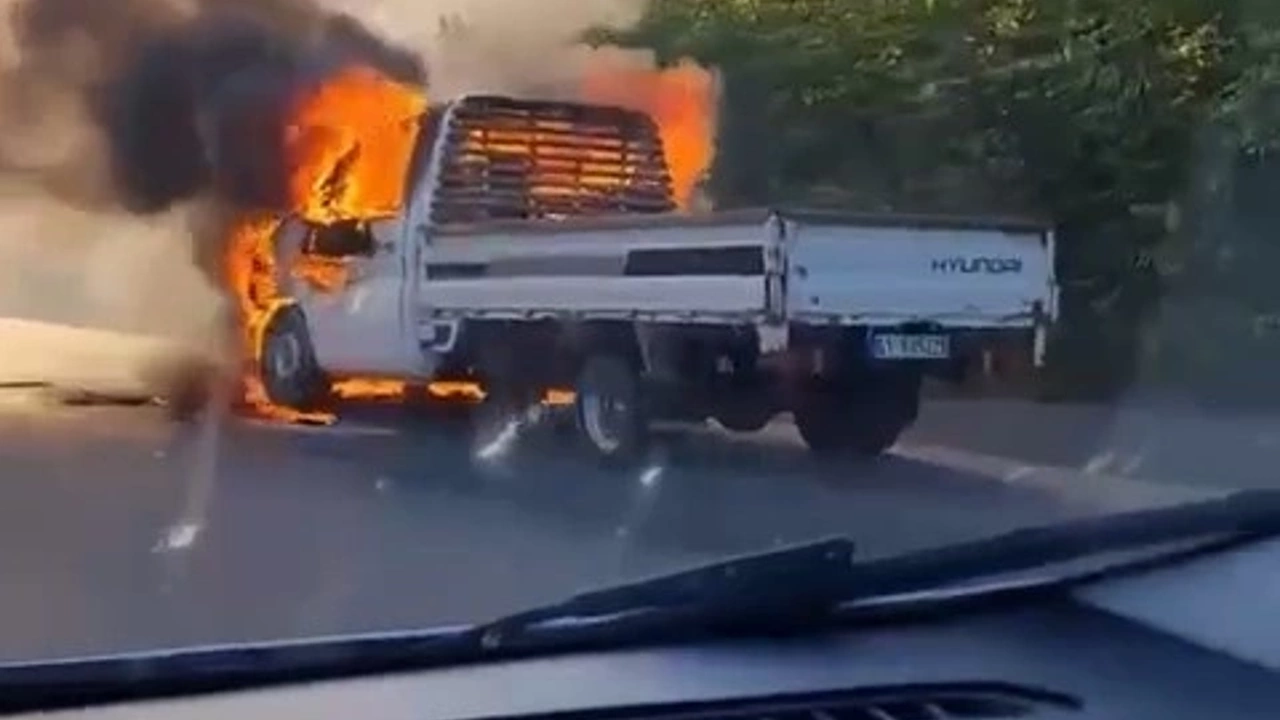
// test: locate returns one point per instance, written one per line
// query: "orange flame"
(393, 389)
(681, 100)
(348, 144)
(250, 272)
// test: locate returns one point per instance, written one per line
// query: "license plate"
(910, 347)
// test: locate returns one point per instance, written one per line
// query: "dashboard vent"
(914, 703)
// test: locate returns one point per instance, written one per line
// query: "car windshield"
(316, 323)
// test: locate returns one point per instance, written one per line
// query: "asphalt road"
(122, 531)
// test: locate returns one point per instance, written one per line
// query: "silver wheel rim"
(601, 418)
(286, 356)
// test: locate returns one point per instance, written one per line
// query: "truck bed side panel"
(691, 274)
(956, 277)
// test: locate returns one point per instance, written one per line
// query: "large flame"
(682, 100)
(250, 270)
(348, 143)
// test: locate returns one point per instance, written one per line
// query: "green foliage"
(1079, 110)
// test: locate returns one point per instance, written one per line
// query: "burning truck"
(524, 246)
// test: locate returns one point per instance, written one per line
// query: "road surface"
(122, 531)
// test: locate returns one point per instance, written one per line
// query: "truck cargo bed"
(832, 268)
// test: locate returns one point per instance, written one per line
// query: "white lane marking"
(1020, 473)
(1068, 484)
(1100, 463)
(178, 537)
(203, 476)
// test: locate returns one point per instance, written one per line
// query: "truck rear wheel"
(832, 429)
(865, 421)
(288, 368)
(745, 416)
(609, 410)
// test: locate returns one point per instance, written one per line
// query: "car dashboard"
(1194, 641)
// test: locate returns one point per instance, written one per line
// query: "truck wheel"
(288, 368)
(609, 411)
(825, 424)
(835, 424)
(745, 417)
(832, 429)
(874, 437)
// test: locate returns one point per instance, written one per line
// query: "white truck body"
(824, 270)
(849, 270)
(906, 283)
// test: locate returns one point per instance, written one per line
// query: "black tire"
(862, 422)
(824, 425)
(832, 429)
(745, 417)
(610, 416)
(288, 368)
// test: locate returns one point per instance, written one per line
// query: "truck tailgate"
(952, 273)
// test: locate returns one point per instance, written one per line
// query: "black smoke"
(184, 99)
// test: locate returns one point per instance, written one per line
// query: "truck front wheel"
(288, 367)
(609, 409)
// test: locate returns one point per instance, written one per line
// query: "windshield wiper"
(796, 580)
(806, 584)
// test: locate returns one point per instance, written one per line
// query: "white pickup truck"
(518, 263)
